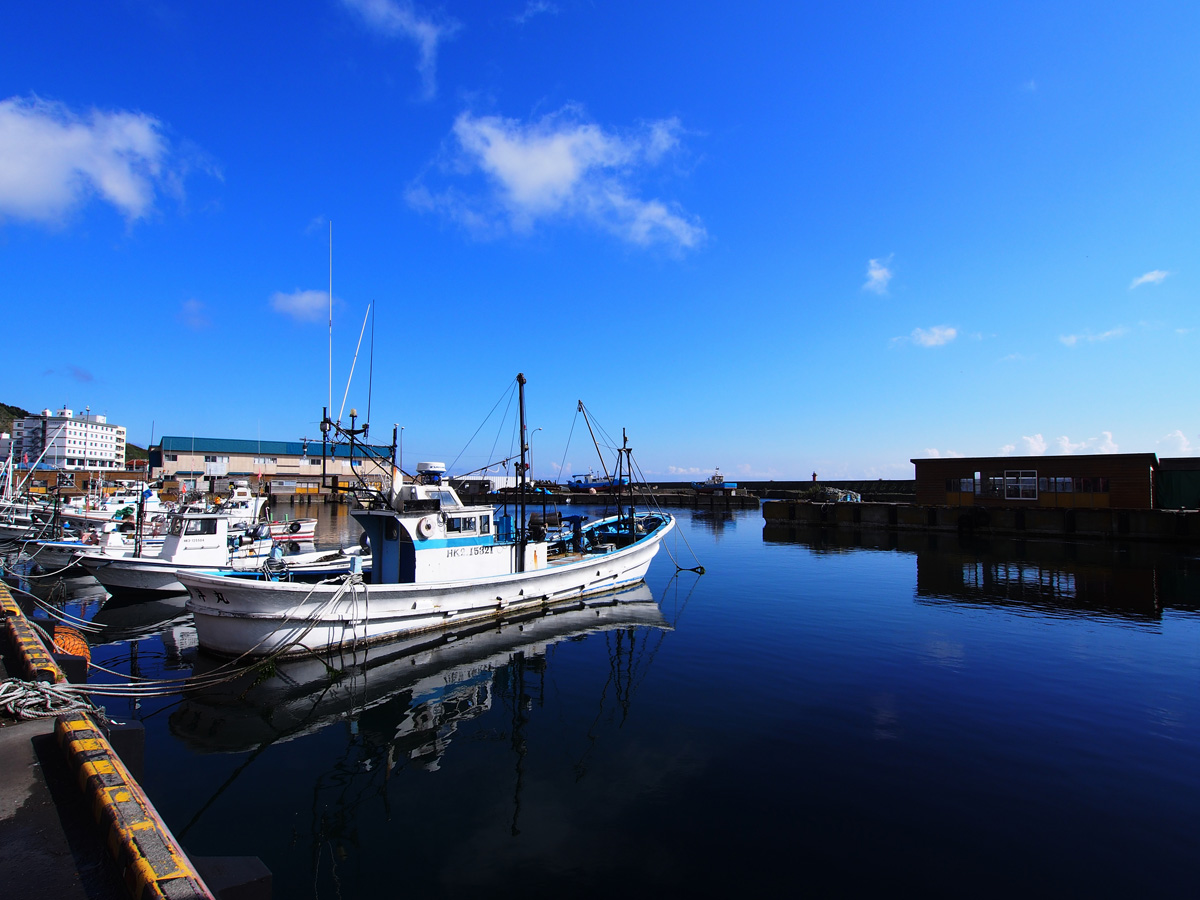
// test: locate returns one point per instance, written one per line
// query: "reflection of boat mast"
(522, 704)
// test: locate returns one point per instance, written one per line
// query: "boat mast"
(521, 477)
(588, 422)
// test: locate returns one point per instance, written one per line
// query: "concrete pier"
(1049, 522)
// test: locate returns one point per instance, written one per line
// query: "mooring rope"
(39, 700)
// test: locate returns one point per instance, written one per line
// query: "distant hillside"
(8, 414)
(132, 451)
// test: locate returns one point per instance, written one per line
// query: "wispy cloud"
(52, 160)
(936, 336)
(561, 167)
(1155, 277)
(401, 18)
(192, 314)
(1072, 339)
(685, 470)
(1102, 444)
(1035, 445)
(879, 273)
(535, 8)
(304, 306)
(934, 453)
(1029, 86)
(1175, 442)
(1008, 449)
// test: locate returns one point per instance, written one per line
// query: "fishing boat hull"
(267, 618)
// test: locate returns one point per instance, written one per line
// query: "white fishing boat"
(110, 542)
(437, 563)
(194, 541)
(119, 504)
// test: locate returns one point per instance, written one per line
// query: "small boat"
(715, 482)
(436, 563)
(194, 541)
(593, 484)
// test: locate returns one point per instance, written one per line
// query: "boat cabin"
(430, 535)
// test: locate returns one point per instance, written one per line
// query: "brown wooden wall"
(1130, 479)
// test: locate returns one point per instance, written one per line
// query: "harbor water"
(846, 714)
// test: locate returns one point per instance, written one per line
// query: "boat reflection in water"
(431, 683)
(1131, 581)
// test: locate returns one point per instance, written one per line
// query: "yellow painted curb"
(36, 661)
(152, 863)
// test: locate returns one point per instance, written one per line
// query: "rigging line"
(698, 568)
(512, 392)
(507, 393)
(566, 449)
(354, 362)
(371, 373)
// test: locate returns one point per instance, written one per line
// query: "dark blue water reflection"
(860, 714)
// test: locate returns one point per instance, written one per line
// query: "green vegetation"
(8, 414)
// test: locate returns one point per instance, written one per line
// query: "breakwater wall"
(1101, 524)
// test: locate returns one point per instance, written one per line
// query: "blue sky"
(774, 238)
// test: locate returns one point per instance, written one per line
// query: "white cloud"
(193, 315)
(936, 336)
(934, 453)
(878, 275)
(52, 160)
(1072, 339)
(562, 167)
(685, 470)
(1155, 277)
(401, 18)
(1175, 442)
(304, 306)
(534, 8)
(1066, 447)
(1035, 445)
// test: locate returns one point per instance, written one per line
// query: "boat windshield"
(447, 498)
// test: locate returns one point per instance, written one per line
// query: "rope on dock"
(39, 700)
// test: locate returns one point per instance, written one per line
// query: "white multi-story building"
(70, 441)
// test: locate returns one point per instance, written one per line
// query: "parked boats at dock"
(437, 563)
(196, 541)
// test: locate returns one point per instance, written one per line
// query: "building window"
(1020, 484)
(171, 457)
(210, 459)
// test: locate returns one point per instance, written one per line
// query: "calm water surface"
(833, 714)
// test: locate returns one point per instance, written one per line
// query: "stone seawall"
(1122, 524)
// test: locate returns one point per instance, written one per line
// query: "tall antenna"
(331, 314)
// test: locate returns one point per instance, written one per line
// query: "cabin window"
(176, 527)
(485, 524)
(446, 498)
(201, 526)
(454, 524)
(468, 524)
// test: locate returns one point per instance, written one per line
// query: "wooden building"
(1110, 480)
